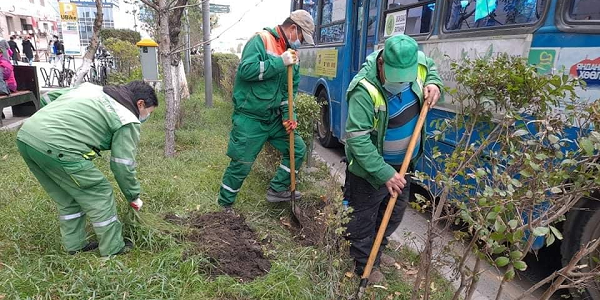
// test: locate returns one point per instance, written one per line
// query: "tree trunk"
(180, 81)
(93, 47)
(165, 53)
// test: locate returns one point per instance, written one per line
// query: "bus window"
(296, 4)
(333, 17)
(371, 26)
(311, 7)
(418, 16)
(491, 13)
(585, 10)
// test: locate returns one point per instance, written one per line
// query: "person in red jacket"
(8, 73)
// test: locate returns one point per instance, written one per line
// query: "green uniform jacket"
(364, 142)
(80, 122)
(260, 89)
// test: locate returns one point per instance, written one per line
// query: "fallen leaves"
(285, 222)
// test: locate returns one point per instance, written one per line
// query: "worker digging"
(261, 112)
(59, 144)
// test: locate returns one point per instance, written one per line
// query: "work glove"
(136, 204)
(289, 57)
(290, 125)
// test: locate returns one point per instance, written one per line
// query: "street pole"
(207, 58)
(187, 63)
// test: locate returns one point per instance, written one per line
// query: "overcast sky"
(267, 14)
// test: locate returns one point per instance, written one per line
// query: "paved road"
(413, 229)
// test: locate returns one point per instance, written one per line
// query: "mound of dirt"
(229, 243)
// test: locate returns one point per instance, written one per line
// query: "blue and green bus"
(556, 35)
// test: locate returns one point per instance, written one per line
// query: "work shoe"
(128, 246)
(273, 196)
(376, 277)
(387, 261)
(89, 247)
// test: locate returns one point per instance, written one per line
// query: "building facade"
(86, 11)
(34, 18)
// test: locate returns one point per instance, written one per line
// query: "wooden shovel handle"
(390, 206)
(290, 79)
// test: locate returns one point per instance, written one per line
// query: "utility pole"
(207, 58)
(187, 63)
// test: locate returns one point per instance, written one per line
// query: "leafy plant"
(224, 68)
(515, 170)
(307, 111)
(126, 35)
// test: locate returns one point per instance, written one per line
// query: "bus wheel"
(326, 137)
(582, 226)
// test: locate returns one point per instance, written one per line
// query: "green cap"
(400, 59)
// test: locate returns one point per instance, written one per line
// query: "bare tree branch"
(151, 4)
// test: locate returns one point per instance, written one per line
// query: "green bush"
(307, 112)
(127, 35)
(126, 54)
(224, 67)
(125, 77)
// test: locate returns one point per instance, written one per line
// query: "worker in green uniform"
(59, 142)
(260, 98)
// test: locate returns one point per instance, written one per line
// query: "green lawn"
(33, 264)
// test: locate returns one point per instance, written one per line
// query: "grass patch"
(34, 265)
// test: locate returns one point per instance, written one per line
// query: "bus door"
(365, 29)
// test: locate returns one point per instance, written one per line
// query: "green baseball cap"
(400, 59)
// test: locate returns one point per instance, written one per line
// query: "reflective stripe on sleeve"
(262, 70)
(354, 134)
(123, 161)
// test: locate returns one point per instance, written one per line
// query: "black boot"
(128, 246)
(89, 247)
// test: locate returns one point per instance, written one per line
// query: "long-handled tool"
(390, 206)
(290, 81)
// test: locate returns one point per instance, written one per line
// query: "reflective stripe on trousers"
(105, 223)
(71, 216)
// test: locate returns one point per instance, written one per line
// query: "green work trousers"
(79, 189)
(246, 139)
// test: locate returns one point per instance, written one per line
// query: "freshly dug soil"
(229, 243)
(311, 230)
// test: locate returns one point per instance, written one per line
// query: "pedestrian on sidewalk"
(4, 46)
(60, 141)
(16, 53)
(8, 74)
(50, 52)
(28, 49)
(59, 51)
(384, 102)
(261, 106)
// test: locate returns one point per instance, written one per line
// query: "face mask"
(395, 88)
(145, 118)
(296, 44)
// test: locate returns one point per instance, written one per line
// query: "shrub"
(126, 54)
(125, 77)
(126, 35)
(307, 111)
(224, 67)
